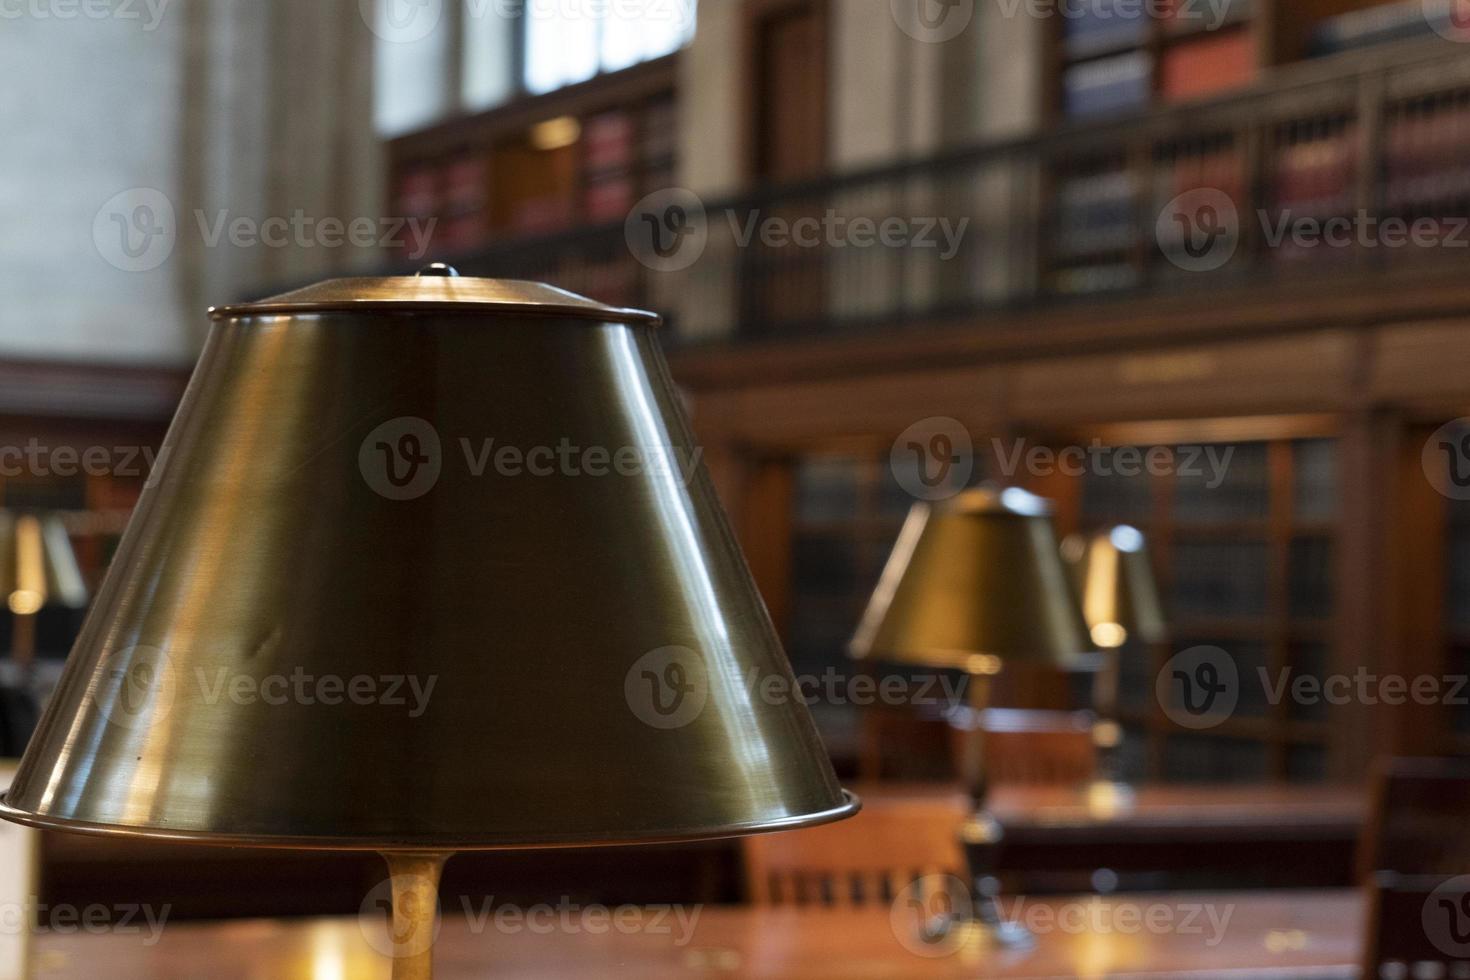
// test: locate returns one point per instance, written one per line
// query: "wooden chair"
(1414, 860)
(901, 836)
(1418, 812)
(904, 743)
(1038, 748)
(1022, 747)
(1418, 926)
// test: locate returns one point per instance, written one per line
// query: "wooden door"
(790, 91)
(784, 285)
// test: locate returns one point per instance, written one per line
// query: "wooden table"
(1277, 935)
(1266, 834)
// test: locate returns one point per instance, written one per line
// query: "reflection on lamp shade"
(1116, 583)
(38, 567)
(973, 583)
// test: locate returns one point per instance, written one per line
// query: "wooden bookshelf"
(1139, 56)
(1246, 567)
(51, 409)
(579, 156)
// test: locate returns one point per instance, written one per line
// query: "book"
(1206, 64)
(1108, 85)
(1378, 25)
(607, 142)
(1097, 213)
(1427, 158)
(464, 219)
(1104, 25)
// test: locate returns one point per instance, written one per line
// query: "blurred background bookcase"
(1247, 566)
(52, 415)
(578, 157)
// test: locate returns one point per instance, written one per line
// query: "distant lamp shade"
(1115, 580)
(38, 568)
(973, 583)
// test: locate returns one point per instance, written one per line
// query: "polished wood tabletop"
(1254, 811)
(1242, 935)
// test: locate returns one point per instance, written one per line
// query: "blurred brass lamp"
(38, 572)
(977, 583)
(1120, 601)
(576, 618)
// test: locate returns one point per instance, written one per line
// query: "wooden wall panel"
(1304, 373)
(869, 409)
(1423, 364)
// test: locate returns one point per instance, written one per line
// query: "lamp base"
(981, 836)
(414, 879)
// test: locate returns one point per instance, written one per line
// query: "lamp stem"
(972, 743)
(23, 641)
(1105, 685)
(415, 877)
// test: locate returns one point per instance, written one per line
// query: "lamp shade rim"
(851, 804)
(1082, 660)
(415, 294)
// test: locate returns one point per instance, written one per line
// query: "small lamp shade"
(38, 567)
(973, 583)
(1115, 579)
(432, 565)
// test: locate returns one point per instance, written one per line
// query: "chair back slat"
(867, 860)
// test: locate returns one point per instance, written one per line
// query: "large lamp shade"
(432, 565)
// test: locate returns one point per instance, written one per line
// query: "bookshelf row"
(1115, 56)
(1291, 199)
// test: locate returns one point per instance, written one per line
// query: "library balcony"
(1335, 176)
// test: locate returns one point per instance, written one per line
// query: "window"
(410, 67)
(570, 41)
(505, 48)
(487, 61)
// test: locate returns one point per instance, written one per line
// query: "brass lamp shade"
(38, 567)
(1115, 579)
(432, 565)
(972, 583)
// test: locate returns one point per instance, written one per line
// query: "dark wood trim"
(749, 59)
(1155, 323)
(62, 390)
(1418, 642)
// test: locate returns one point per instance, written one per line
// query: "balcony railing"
(1344, 166)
